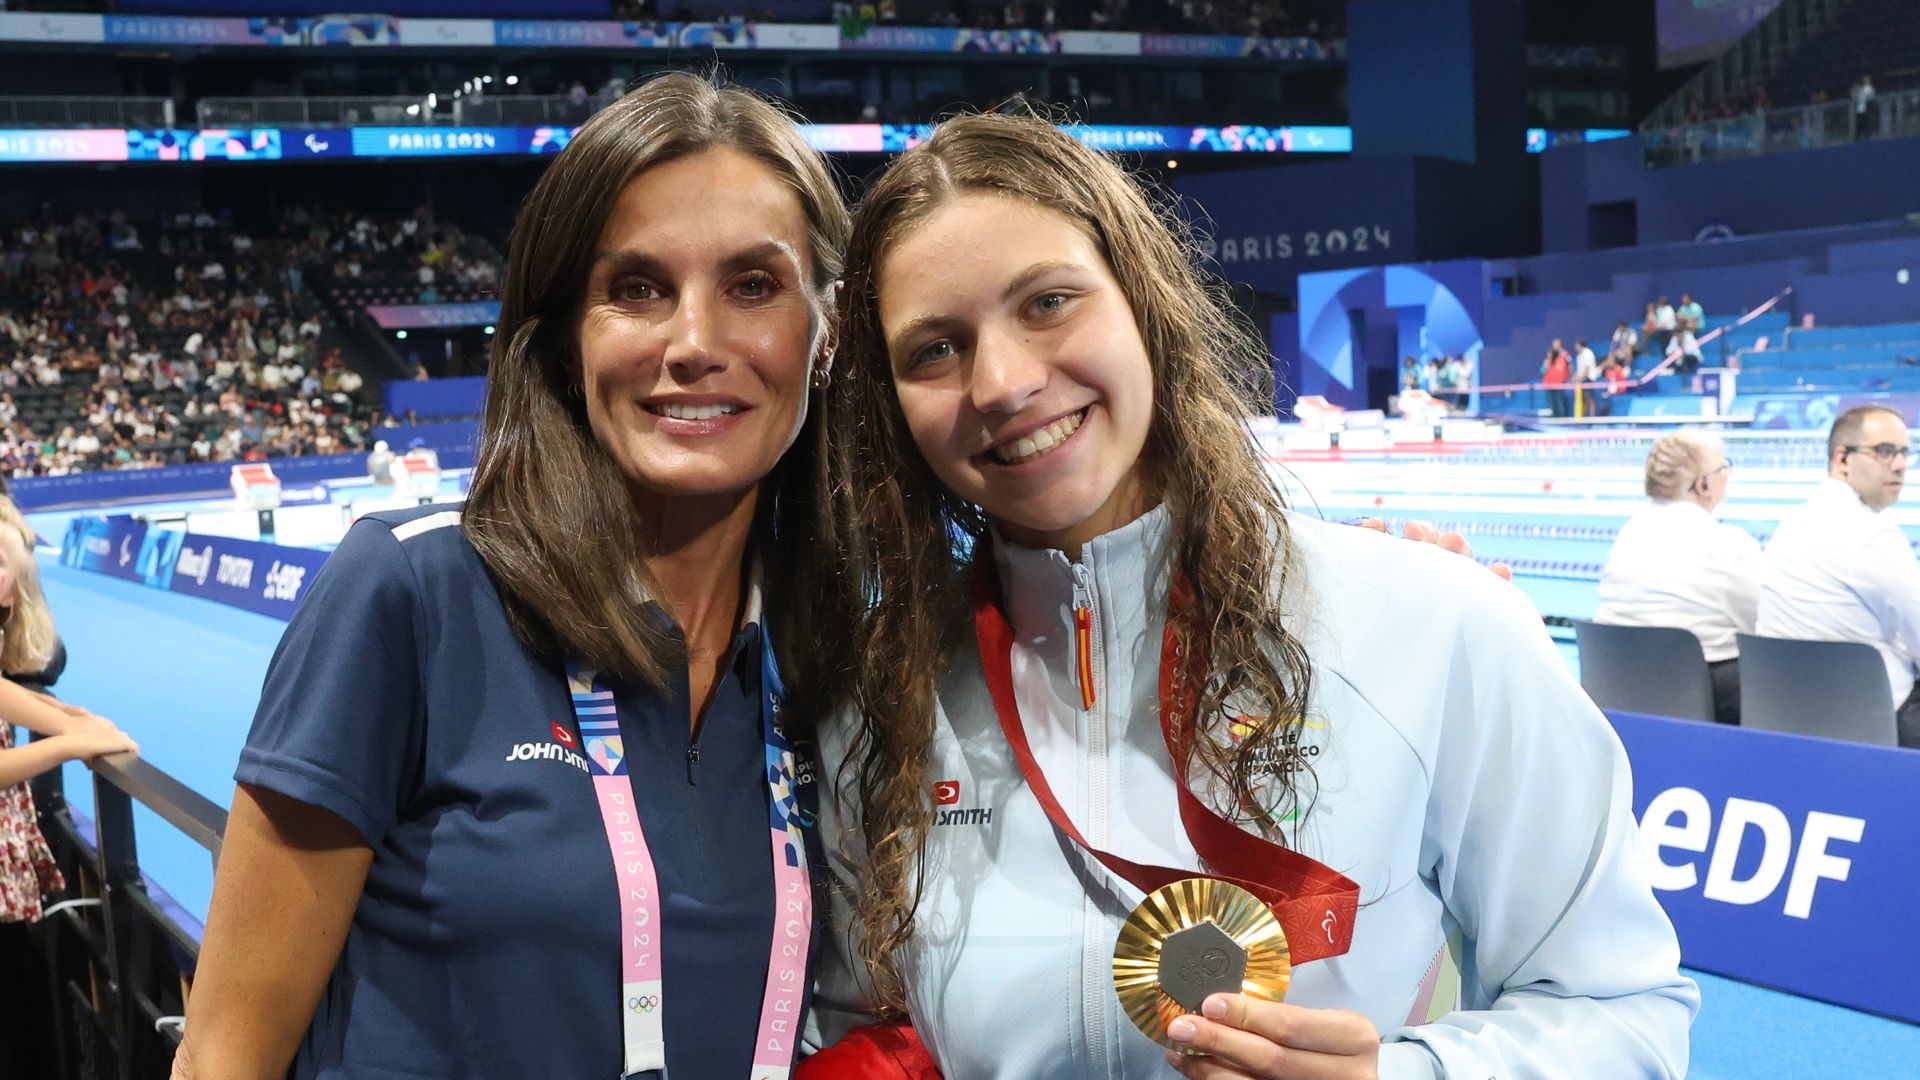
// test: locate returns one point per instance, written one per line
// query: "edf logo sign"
(1681, 819)
(1781, 859)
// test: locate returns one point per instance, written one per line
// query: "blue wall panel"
(1806, 189)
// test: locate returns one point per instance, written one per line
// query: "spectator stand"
(128, 344)
(360, 263)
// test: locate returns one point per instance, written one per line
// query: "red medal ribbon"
(1315, 904)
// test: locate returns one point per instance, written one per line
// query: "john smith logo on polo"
(947, 793)
(563, 748)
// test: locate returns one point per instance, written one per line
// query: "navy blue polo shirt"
(486, 943)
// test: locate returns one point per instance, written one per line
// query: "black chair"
(1832, 689)
(1657, 670)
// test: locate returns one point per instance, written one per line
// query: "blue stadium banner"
(558, 9)
(436, 141)
(1784, 860)
(1222, 47)
(940, 39)
(294, 144)
(91, 543)
(432, 398)
(260, 23)
(555, 34)
(121, 546)
(429, 316)
(266, 578)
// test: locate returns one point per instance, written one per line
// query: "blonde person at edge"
(1029, 358)
(419, 877)
(67, 732)
(1674, 564)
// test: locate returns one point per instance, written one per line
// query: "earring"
(822, 375)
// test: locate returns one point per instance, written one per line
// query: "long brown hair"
(903, 594)
(549, 511)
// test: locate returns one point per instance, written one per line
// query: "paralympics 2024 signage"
(1264, 227)
(1784, 860)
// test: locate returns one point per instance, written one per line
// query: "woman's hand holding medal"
(1239, 1037)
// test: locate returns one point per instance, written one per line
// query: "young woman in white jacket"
(1032, 365)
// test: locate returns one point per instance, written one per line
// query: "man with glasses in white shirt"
(1840, 570)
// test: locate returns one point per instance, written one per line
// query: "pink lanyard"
(641, 995)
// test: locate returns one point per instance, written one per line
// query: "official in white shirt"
(1673, 564)
(1840, 570)
(1586, 371)
(1665, 322)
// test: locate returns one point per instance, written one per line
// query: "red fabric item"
(891, 1051)
(1314, 903)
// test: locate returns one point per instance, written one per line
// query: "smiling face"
(697, 331)
(1019, 367)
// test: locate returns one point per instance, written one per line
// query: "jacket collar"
(1126, 569)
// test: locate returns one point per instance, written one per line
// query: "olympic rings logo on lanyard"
(645, 1003)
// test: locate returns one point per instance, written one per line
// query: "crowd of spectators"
(1667, 334)
(1726, 106)
(435, 262)
(1859, 97)
(1447, 377)
(125, 345)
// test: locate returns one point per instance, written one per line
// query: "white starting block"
(417, 474)
(254, 486)
(1316, 413)
(1420, 407)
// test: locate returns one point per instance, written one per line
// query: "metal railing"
(223, 112)
(118, 963)
(531, 111)
(86, 112)
(1805, 127)
(1750, 61)
(328, 112)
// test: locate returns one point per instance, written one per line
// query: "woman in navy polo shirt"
(517, 801)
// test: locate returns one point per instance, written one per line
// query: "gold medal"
(1193, 938)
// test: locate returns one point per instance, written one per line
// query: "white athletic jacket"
(1458, 774)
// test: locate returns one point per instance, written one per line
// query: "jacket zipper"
(1095, 977)
(1083, 636)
